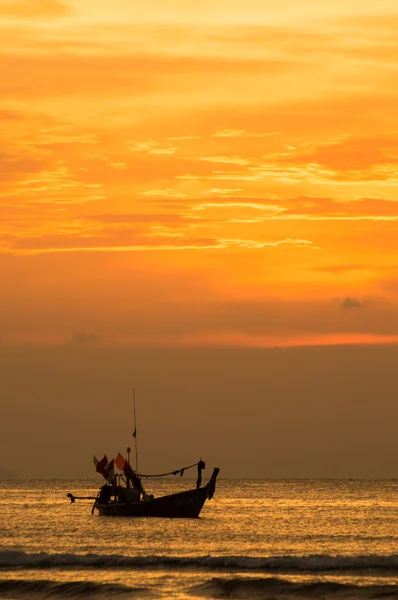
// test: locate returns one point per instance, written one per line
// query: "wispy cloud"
(243, 153)
(25, 9)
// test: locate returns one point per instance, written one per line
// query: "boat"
(124, 495)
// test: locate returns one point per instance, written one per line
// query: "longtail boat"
(124, 495)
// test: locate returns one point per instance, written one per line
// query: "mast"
(135, 434)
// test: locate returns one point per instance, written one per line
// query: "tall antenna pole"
(135, 434)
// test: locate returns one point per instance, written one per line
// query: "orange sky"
(182, 176)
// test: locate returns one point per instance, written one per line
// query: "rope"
(172, 472)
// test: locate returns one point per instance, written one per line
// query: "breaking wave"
(272, 588)
(70, 589)
(319, 563)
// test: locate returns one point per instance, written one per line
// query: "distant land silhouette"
(7, 474)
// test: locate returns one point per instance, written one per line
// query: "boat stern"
(211, 484)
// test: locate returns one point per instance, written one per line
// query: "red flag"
(119, 461)
(100, 465)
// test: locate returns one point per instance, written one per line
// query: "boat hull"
(182, 505)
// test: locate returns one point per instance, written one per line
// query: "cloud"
(165, 193)
(350, 158)
(242, 133)
(132, 219)
(131, 74)
(287, 156)
(13, 167)
(339, 269)
(339, 208)
(37, 9)
(85, 339)
(160, 238)
(351, 303)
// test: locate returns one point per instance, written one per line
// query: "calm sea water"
(255, 539)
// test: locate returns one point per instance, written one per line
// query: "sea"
(256, 539)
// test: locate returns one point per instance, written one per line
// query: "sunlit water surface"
(259, 539)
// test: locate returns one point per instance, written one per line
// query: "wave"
(70, 589)
(317, 563)
(272, 588)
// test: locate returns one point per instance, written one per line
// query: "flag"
(128, 471)
(109, 472)
(135, 432)
(133, 477)
(100, 464)
(119, 462)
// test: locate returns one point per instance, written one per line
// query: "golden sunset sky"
(184, 174)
